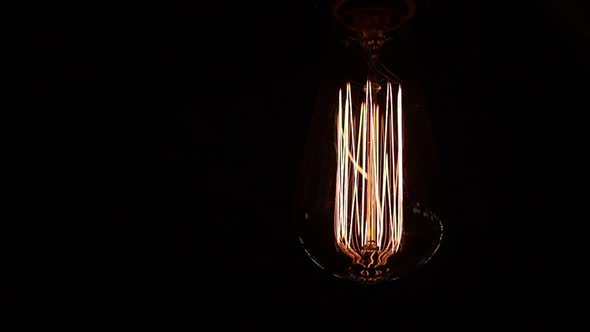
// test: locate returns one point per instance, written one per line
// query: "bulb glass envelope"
(368, 179)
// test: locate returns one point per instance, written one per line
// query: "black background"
(203, 112)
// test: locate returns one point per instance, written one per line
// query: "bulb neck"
(373, 76)
(372, 41)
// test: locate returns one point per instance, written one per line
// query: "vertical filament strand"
(368, 214)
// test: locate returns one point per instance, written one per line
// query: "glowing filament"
(368, 214)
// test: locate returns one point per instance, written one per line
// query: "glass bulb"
(366, 177)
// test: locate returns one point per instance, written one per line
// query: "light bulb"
(360, 210)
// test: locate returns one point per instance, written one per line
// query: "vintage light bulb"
(366, 175)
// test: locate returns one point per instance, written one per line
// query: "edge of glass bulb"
(417, 209)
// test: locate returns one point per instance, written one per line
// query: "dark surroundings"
(205, 112)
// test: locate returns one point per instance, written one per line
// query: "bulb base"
(423, 233)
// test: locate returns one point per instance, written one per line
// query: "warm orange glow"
(368, 213)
